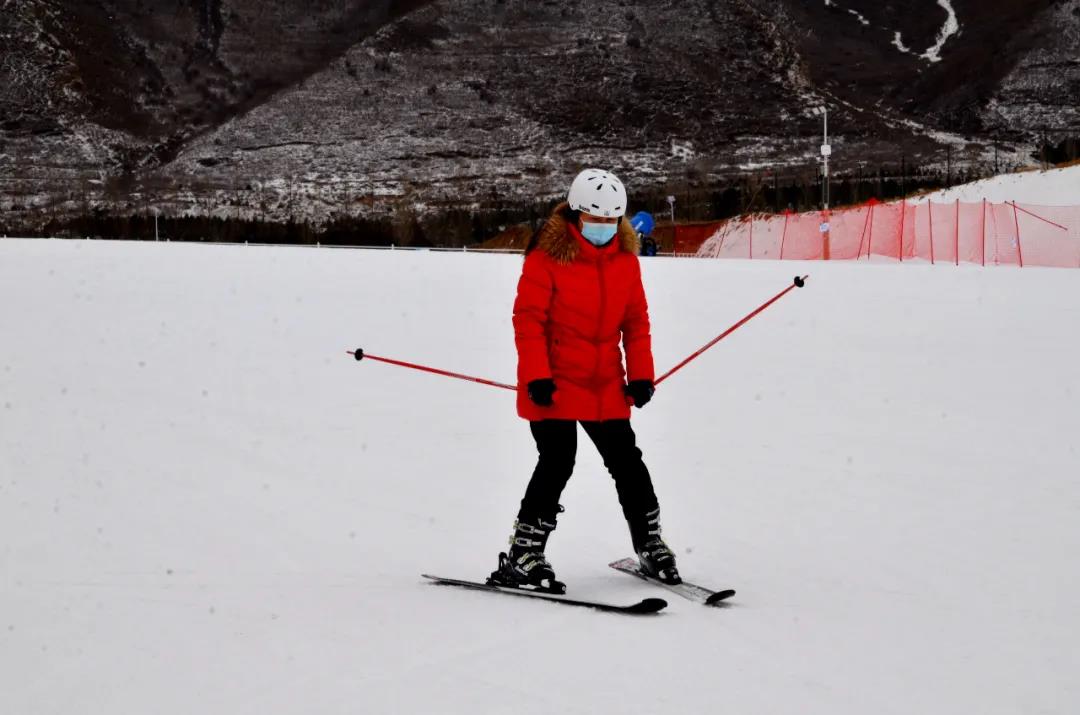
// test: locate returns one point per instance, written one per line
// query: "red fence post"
(1044, 220)
(751, 236)
(930, 221)
(984, 235)
(870, 235)
(783, 237)
(903, 215)
(1019, 250)
(862, 235)
(826, 248)
(958, 232)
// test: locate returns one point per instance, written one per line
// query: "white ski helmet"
(598, 193)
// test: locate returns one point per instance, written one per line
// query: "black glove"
(540, 391)
(640, 391)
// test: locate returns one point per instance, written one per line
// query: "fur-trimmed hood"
(555, 239)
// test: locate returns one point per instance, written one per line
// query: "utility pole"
(674, 229)
(826, 152)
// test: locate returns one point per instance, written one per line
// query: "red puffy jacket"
(575, 302)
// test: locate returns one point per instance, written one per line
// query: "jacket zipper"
(599, 328)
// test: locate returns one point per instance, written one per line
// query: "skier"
(580, 292)
(643, 225)
(648, 246)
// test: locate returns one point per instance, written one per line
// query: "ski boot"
(525, 566)
(656, 559)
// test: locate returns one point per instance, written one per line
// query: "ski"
(648, 605)
(690, 591)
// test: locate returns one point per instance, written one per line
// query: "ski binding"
(689, 591)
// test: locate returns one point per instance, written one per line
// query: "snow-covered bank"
(1055, 187)
(1025, 219)
(205, 506)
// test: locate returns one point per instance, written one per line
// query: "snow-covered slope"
(1056, 187)
(206, 506)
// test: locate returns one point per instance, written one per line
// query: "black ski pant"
(556, 442)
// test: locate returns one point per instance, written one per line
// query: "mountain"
(278, 110)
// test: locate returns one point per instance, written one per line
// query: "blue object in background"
(643, 223)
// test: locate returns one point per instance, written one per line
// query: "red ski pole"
(799, 283)
(360, 355)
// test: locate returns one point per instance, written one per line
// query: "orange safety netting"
(984, 233)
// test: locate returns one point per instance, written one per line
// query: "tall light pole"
(826, 152)
(674, 229)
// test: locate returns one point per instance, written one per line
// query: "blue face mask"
(598, 234)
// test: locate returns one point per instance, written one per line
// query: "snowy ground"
(206, 507)
(1055, 187)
